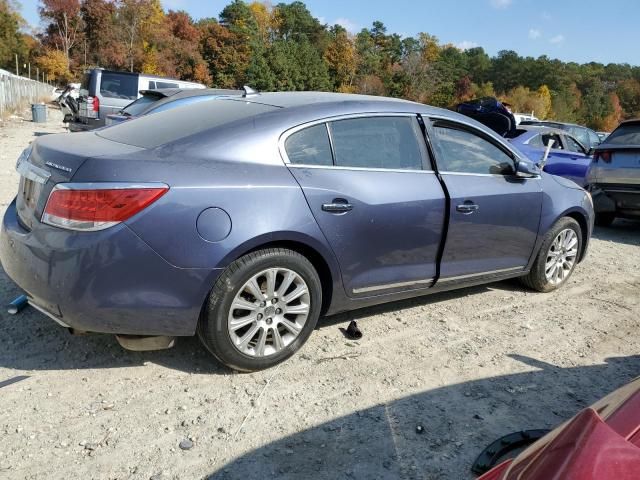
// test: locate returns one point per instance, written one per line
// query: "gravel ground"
(467, 366)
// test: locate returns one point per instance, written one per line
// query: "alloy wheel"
(562, 256)
(269, 312)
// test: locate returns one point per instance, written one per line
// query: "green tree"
(12, 41)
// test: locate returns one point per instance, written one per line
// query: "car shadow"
(512, 285)
(31, 341)
(458, 421)
(621, 231)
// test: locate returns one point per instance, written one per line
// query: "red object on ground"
(600, 443)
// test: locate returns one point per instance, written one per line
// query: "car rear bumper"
(108, 281)
(624, 200)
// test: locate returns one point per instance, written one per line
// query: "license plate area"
(27, 203)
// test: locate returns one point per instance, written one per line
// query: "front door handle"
(338, 205)
(467, 208)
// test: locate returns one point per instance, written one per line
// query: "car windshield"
(140, 105)
(625, 135)
(150, 131)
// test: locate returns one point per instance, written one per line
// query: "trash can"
(39, 112)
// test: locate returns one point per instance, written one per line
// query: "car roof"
(276, 111)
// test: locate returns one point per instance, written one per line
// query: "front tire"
(557, 258)
(262, 309)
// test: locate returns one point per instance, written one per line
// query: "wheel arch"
(320, 257)
(581, 218)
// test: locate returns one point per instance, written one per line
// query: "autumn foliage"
(284, 47)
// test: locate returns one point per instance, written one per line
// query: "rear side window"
(377, 142)
(464, 152)
(625, 135)
(118, 85)
(543, 140)
(310, 146)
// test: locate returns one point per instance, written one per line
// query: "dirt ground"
(468, 366)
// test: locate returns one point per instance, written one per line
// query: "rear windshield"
(119, 85)
(151, 131)
(625, 135)
(140, 105)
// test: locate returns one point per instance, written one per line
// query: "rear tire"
(261, 310)
(605, 219)
(558, 256)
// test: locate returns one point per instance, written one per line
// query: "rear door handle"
(467, 208)
(337, 206)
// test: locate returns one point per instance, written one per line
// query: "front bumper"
(108, 281)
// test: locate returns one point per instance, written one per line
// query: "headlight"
(24, 156)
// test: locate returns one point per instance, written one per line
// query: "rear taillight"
(91, 207)
(604, 155)
(96, 104)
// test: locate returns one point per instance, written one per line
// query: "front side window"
(580, 134)
(377, 142)
(310, 146)
(462, 151)
(118, 85)
(574, 146)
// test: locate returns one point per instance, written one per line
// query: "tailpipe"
(17, 305)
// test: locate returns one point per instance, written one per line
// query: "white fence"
(17, 93)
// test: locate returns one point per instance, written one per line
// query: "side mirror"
(526, 169)
(591, 151)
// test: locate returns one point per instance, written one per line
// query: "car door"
(370, 186)
(577, 161)
(494, 215)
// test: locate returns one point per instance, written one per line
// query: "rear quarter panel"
(247, 180)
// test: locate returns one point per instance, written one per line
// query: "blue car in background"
(567, 157)
(247, 218)
(159, 100)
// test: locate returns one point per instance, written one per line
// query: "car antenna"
(249, 92)
(545, 157)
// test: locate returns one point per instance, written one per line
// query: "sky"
(571, 30)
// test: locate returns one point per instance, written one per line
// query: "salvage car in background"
(155, 101)
(587, 137)
(614, 174)
(103, 92)
(567, 157)
(245, 219)
(600, 443)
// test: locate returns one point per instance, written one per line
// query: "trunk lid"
(55, 159)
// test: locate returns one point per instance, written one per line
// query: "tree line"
(284, 47)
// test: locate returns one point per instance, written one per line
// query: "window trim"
(472, 129)
(424, 151)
